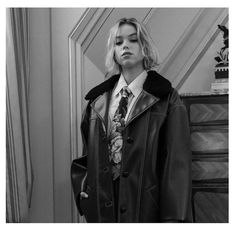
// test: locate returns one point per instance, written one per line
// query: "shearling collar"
(155, 84)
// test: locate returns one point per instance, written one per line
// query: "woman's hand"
(83, 195)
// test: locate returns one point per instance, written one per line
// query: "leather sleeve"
(175, 192)
(78, 178)
(79, 165)
(85, 128)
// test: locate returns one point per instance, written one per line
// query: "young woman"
(136, 164)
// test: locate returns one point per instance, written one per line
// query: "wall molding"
(79, 40)
(192, 45)
(19, 175)
(149, 15)
(180, 43)
(204, 45)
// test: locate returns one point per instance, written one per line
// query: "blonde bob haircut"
(149, 51)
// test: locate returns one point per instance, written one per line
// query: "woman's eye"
(119, 42)
(133, 40)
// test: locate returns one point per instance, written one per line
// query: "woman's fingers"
(83, 195)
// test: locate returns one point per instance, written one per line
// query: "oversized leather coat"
(155, 181)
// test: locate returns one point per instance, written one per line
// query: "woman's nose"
(125, 45)
(125, 48)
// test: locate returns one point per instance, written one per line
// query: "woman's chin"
(128, 64)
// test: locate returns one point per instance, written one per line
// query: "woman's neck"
(131, 74)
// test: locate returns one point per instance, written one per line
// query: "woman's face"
(127, 49)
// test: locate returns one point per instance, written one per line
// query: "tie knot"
(126, 92)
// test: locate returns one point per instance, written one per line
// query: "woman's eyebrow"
(132, 34)
(120, 36)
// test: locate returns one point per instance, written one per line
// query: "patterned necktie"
(115, 138)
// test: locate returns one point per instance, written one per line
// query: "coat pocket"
(88, 205)
(153, 193)
(150, 211)
(84, 202)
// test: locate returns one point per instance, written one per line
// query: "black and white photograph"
(117, 115)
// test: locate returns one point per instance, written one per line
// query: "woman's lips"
(127, 54)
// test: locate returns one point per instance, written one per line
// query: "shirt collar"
(136, 86)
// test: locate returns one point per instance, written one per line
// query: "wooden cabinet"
(208, 118)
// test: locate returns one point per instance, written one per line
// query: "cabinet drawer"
(209, 139)
(211, 207)
(208, 112)
(202, 170)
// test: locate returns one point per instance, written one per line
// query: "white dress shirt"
(136, 87)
